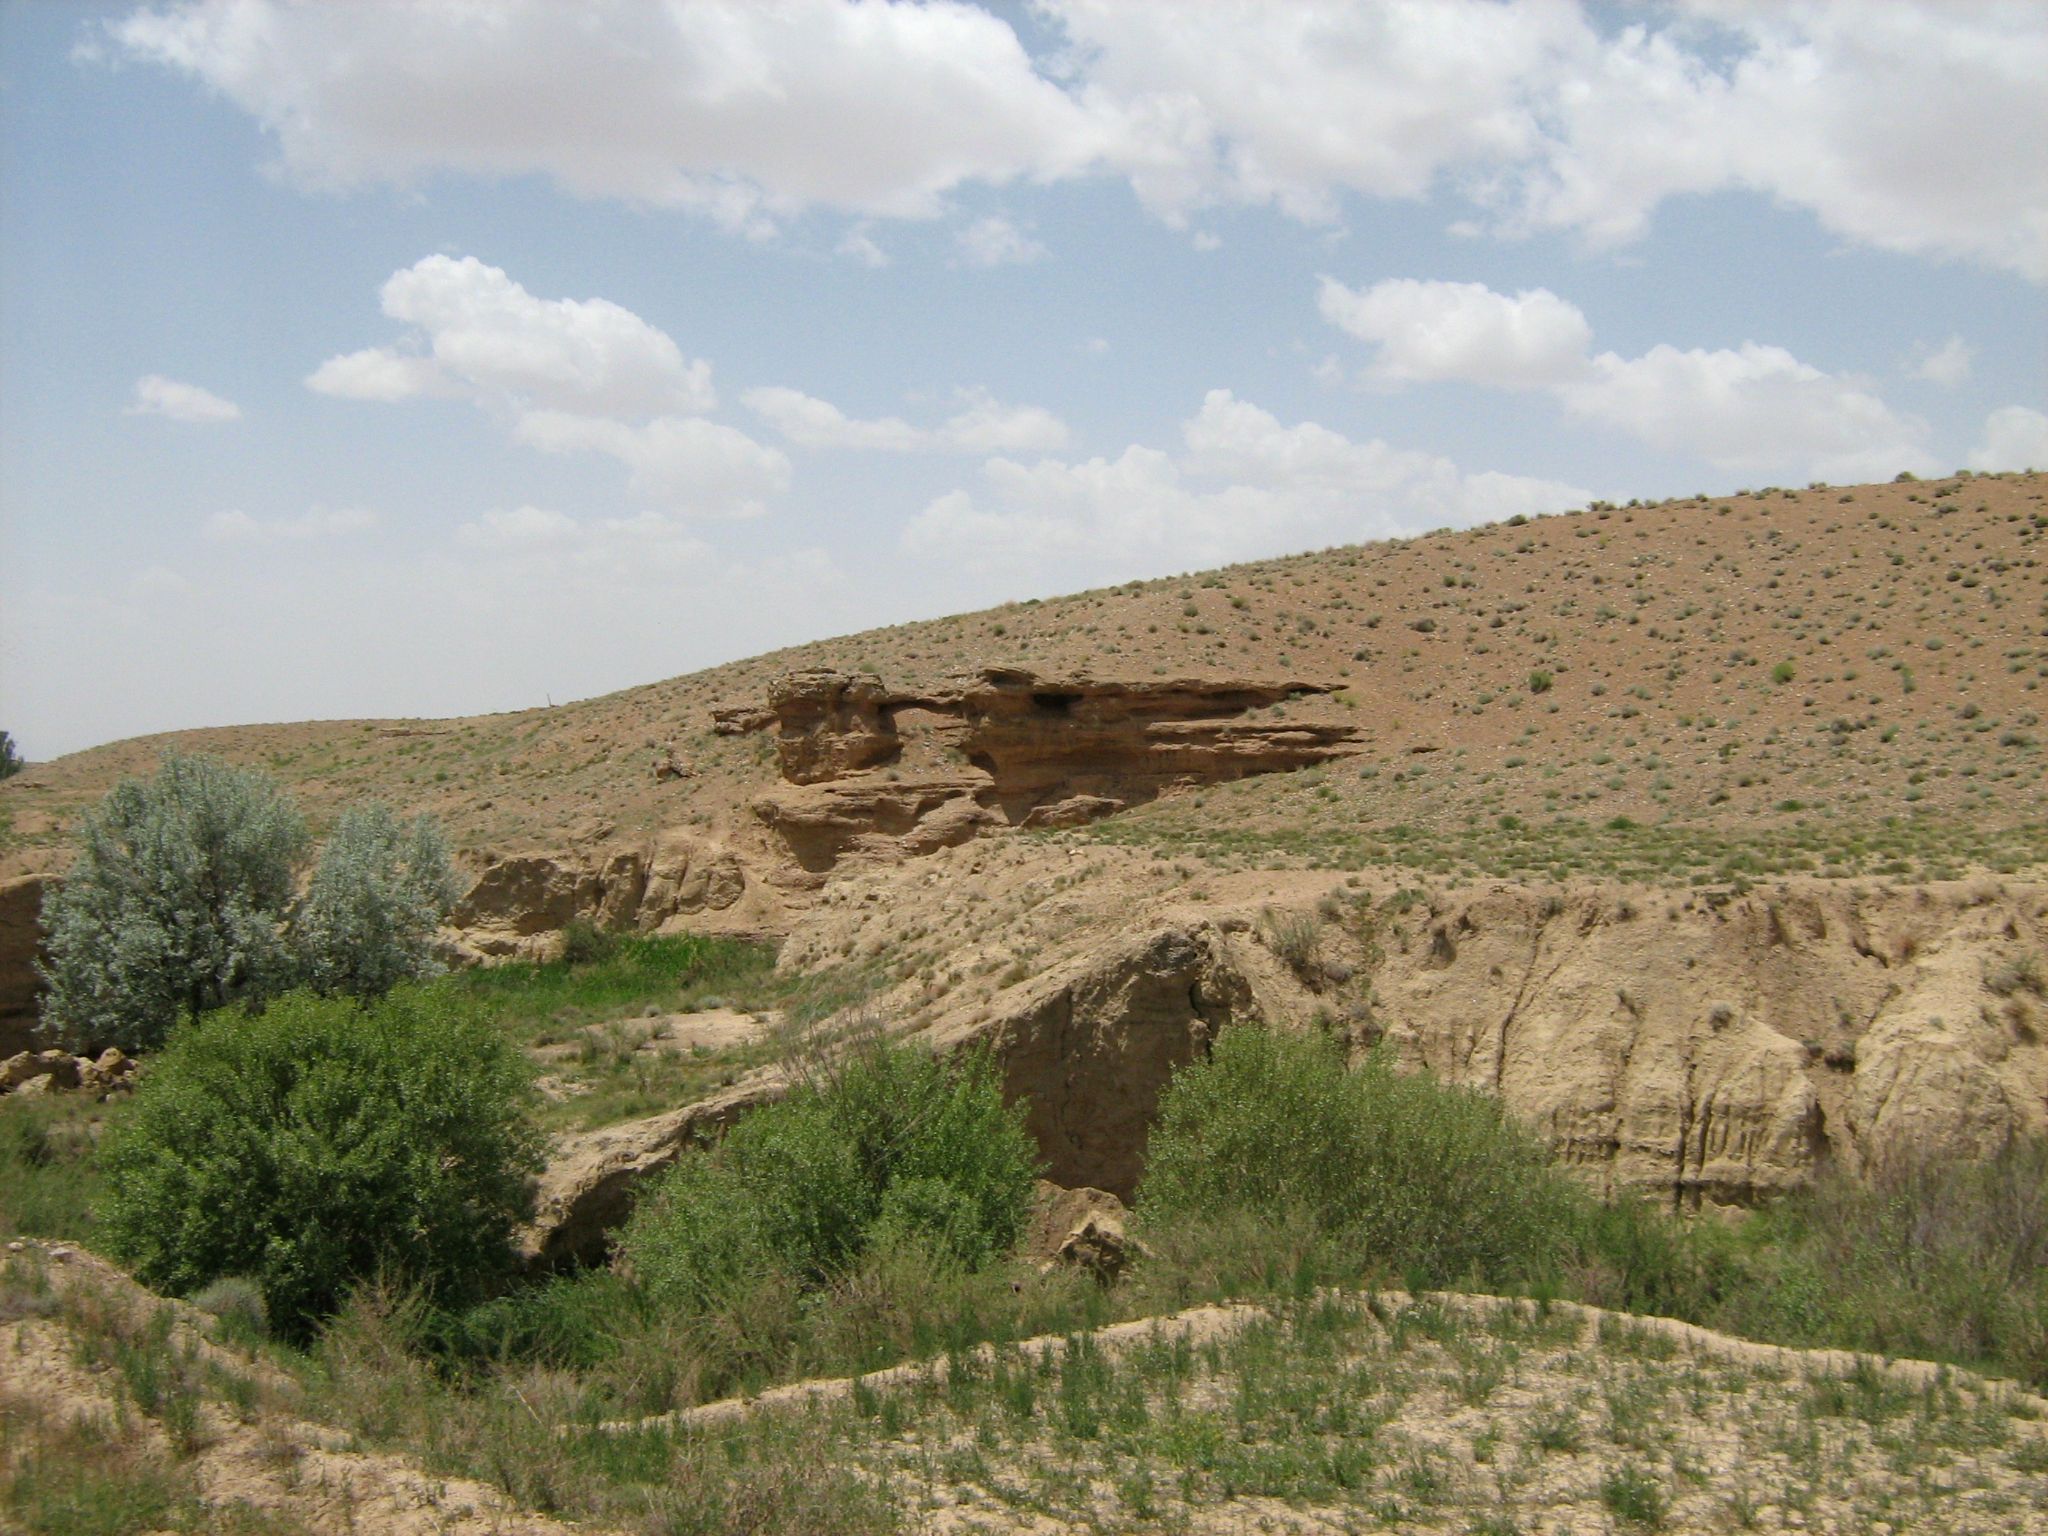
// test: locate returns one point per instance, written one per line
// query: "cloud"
(479, 333)
(1910, 125)
(238, 527)
(1750, 407)
(679, 461)
(996, 242)
(986, 425)
(860, 246)
(1753, 407)
(156, 395)
(813, 423)
(740, 111)
(1947, 365)
(570, 375)
(378, 373)
(1914, 127)
(2015, 437)
(1242, 485)
(1437, 330)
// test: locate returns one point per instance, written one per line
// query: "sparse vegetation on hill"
(1899, 607)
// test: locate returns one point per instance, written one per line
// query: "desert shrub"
(890, 1142)
(10, 757)
(1427, 1182)
(1926, 1256)
(321, 1143)
(587, 943)
(381, 888)
(181, 900)
(173, 904)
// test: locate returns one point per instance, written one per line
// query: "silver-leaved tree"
(183, 897)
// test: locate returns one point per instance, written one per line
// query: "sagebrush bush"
(182, 899)
(892, 1142)
(321, 1143)
(368, 920)
(1418, 1179)
(173, 905)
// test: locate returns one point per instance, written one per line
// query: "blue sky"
(366, 359)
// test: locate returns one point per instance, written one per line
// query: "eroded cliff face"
(1705, 1050)
(21, 935)
(1013, 750)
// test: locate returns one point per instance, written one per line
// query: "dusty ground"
(1337, 1413)
(124, 1412)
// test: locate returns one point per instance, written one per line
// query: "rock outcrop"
(588, 1186)
(1709, 1053)
(21, 935)
(55, 1071)
(517, 904)
(1037, 752)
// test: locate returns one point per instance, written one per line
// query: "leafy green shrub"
(368, 920)
(173, 905)
(321, 1143)
(10, 757)
(1428, 1182)
(892, 1142)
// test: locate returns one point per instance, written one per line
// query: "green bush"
(1408, 1176)
(10, 758)
(321, 1143)
(891, 1143)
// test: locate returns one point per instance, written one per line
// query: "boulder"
(1100, 1247)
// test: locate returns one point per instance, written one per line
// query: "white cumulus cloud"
(742, 111)
(1947, 365)
(477, 332)
(996, 242)
(1437, 330)
(571, 376)
(678, 461)
(1911, 125)
(156, 395)
(1241, 485)
(2015, 437)
(1747, 407)
(985, 425)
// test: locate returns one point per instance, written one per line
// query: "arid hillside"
(1848, 673)
(1709, 835)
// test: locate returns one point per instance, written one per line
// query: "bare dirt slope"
(1876, 650)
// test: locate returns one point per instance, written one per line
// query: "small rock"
(19, 1068)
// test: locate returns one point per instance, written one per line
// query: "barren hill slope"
(1877, 650)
